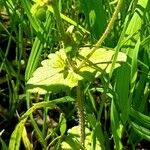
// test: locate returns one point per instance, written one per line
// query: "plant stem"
(58, 20)
(105, 34)
(46, 99)
(35, 126)
(80, 109)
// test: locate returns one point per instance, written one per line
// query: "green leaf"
(57, 73)
(134, 27)
(38, 5)
(70, 144)
(122, 91)
(63, 125)
(54, 74)
(95, 16)
(71, 141)
(26, 141)
(100, 61)
(3, 144)
(15, 140)
(42, 34)
(140, 118)
(116, 126)
(97, 137)
(140, 130)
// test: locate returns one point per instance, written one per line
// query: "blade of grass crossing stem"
(116, 126)
(40, 136)
(123, 37)
(3, 58)
(122, 90)
(95, 16)
(97, 133)
(15, 139)
(145, 41)
(134, 66)
(37, 49)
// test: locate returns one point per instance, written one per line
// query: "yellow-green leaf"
(26, 141)
(56, 72)
(101, 60)
(53, 75)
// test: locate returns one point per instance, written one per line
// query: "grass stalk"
(37, 130)
(105, 34)
(59, 20)
(46, 99)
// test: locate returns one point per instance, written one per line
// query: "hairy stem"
(105, 34)
(80, 109)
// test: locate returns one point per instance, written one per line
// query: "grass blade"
(143, 132)
(15, 140)
(95, 16)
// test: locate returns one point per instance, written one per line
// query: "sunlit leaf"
(100, 61)
(37, 5)
(57, 72)
(54, 73)
(71, 141)
(63, 125)
(26, 141)
(56, 60)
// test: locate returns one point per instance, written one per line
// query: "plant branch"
(105, 34)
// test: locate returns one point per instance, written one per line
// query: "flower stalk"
(81, 115)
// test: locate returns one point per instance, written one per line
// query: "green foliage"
(100, 61)
(95, 16)
(54, 72)
(95, 51)
(19, 130)
(57, 70)
(71, 141)
(63, 125)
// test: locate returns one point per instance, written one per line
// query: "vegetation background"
(116, 104)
